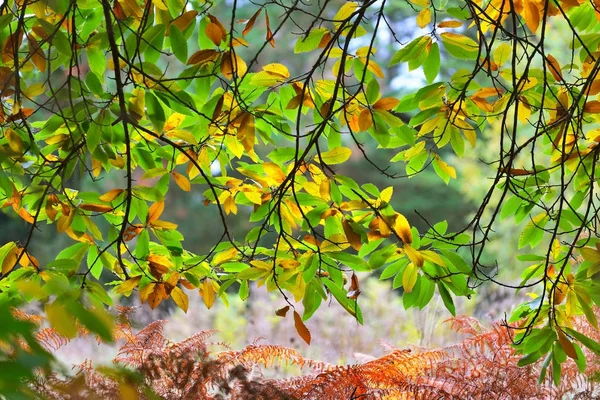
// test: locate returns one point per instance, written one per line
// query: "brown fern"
(482, 366)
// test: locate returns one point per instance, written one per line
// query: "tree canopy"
(108, 106)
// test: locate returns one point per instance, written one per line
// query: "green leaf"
(310, 42)
(460, 46)
(178, 43)
(431, 66)
(155, 111)
(335, 156)
(446, 298)
(411, 51)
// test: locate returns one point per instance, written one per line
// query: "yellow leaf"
(402, 228)
(130, 284)
(61, 320)
(161, 4)
(409, 278)
(414, 255)
(164, 225)
(277, 69)
(155, 211)
(34, 90)
(345, 11)
(181, 298)
(137, 103)
(181, 181)
(335, 156)
(433, 257)
(422, 3)
(502, 54)
(208, 293)
(146, 290)
(225, 256)
(14, 140)
(301, 328)
(229, 205)
(110, 195)
(231, 63)
(424, 18)
(386, 194)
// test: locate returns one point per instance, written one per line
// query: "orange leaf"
(27, 217)
(251, 22)
(592, 107)
(450, 24)
(155, 211)
(532, 15)
(554, 67)
(214, 33)
(566, 345)
(181, 181)
(365, 120)
(95, 207)
(202, 57)
(301, 328)
(11, 45)
(156, 297)
(269, 37)
(185, 19)
(387, 103)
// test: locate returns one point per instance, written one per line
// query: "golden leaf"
(365, 120)
(111, 195)
(11, 252)
(450, 24)
(386, 103)
(185, 19)
(181, 181)
(146, 290)
(208, 293)
(96, 208)
(353, 238)
(423, 18)
(180, 298)
(129, 284)
(155, 211)
(402, 229)
(414, 255)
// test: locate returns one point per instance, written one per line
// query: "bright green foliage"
(166, 96)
